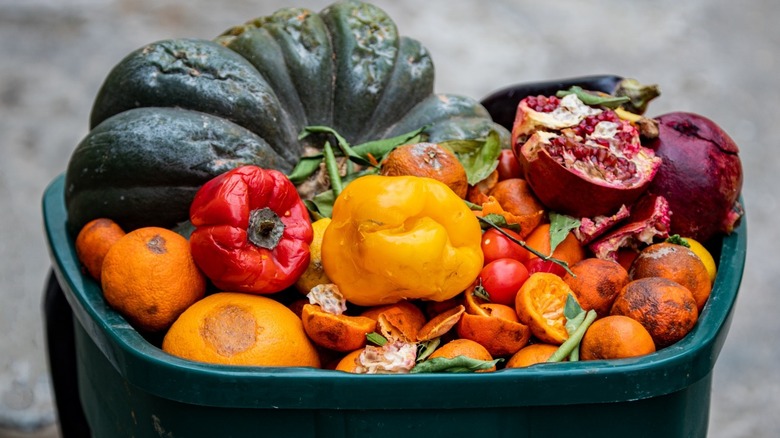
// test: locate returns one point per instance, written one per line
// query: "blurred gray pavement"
(717, 58)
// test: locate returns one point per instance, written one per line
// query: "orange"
(464, 347)
(428, 160)
(664, 307)
(150, 278)
(596, 283)
(93, 242)
(500, 333)
(349, 363)
(232, 328)
(569, 250)
(540, 304)
(336, 332)
(615, 337)
(515, 196)
(530, 355)
(677, 263)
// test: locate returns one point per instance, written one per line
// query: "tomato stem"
(547, 258)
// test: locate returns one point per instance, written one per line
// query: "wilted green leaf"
(560, 226)
(425, 348)
(594, 99)
(478, 156)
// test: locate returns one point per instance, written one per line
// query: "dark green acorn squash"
(178, 112)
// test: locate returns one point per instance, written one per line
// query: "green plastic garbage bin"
(129, 387)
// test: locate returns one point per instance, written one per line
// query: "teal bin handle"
(147, 367)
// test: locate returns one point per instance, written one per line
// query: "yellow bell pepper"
(401, 237)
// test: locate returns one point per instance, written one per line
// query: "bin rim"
(147, 367)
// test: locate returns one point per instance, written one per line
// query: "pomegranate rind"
(650, 219)
(700, 175)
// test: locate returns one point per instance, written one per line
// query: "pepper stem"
(265, 228)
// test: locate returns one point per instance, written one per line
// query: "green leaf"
(479, 157)
(494, 220)
(305, 168)
(425, 348)
(457, 364)
(379, 148)
(376, 338)
(341, 142)
(594, 99)
(560, 226)
(321, 204)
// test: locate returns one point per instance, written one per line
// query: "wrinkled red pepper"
(252, 231)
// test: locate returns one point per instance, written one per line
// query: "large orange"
(664, 307)
(240, 329)
(675, 262)
(93, 242)
(615, 337)
(540, 304)
(596, 283)
(150, 278)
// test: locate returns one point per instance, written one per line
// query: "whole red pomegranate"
(700, 175)
(579, 160)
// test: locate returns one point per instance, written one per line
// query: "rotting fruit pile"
(293, 193)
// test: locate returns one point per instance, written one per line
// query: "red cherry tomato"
(508, 167)
(502, 279)
(497, 246)
(538, 265)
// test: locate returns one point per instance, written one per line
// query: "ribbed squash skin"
(243, 99)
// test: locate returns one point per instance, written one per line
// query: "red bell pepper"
(252, 231)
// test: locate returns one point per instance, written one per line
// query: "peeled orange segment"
(336, 332)
(540, 303)
(440, 324)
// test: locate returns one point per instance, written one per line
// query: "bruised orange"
(664, 307)
(93, 242)
(150, 277)
(464, 347)
(335, 332)
(675, 262)
(530, 355)
(596, 283)
(540, 304)
(429, 160)
(240, 329)
(615, 337)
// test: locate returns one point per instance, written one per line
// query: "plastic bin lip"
(149, 368)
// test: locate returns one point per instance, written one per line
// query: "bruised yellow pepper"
(401, 237)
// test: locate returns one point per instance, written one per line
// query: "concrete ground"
(715, 57)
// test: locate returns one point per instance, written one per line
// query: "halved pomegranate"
(580, 160)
